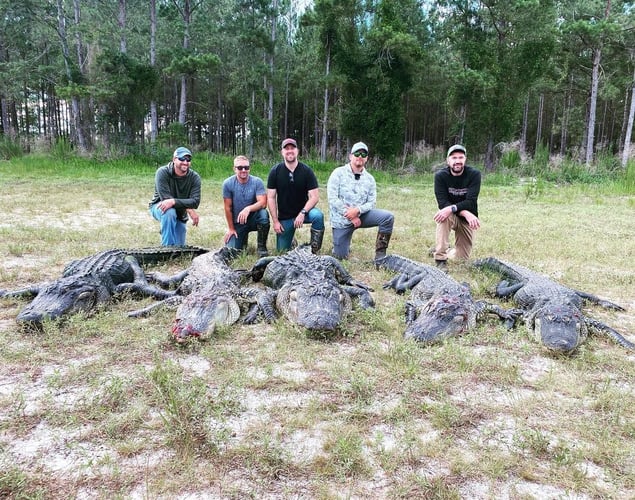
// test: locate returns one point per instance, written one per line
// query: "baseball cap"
(358, 146)
(286, 142)
(181, 152)
(455, 148)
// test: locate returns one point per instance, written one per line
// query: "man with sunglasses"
(245, 202)
(177, 194)
(352, 194)
(292, 196)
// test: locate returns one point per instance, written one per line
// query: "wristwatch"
(454, 209)
(303, 211)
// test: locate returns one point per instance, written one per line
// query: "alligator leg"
(140, 284)
(172, 301)
(29, 291)
(266, 301)
(504, 289)
(510, 316)
(365, 299)
(600, 302)
(166, 281)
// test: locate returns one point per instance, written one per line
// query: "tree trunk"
(541, 109)
(270, 88)
(154, 118)
(629, 127)
(77, 135)
(325, 111)
(523, 134)
(121, 22)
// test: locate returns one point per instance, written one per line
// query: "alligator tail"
(596, 325)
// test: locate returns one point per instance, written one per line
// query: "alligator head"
(560, 328)
(200, 313)
(444, 315)
(316, 306)
(64, 297)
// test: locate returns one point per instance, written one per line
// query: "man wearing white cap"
(177, 194)
(352, 194)
(456, 189)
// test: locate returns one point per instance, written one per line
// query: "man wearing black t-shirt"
(292, 196)
(456, 189)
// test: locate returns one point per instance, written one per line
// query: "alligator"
(438, 307)
(552, 312)
(313, 291)
(209, 294)
(93, 281)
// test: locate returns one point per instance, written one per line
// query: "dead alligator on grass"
(312, 291)
(438, 307)
(92, 281)
(552, 312)
(209, 294)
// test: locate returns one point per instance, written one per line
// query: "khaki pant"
(463, 235)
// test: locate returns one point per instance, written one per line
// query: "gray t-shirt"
(242, 195)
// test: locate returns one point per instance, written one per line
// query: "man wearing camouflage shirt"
(352, 194)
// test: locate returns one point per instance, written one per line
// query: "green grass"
(107, 405)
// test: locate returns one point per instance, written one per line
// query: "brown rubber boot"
(381, 245)
(317, 236)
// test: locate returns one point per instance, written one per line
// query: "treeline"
(234, 76)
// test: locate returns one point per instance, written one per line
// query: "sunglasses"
(360, 154)
(242, 167)
(291, 179)
(184, 158)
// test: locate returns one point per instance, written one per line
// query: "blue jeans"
(383, 219)
(172, 229)
(315, 217)
(261, 217)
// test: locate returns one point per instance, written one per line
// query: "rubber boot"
(381, 245)
(317, 235)
(263, 234)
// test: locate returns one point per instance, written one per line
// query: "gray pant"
(382, 219)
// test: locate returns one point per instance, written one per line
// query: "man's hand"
(472, 220)
(242, 215)
(277, 227)
(443, 214)
(229, 234)
(193, 215)
(166, 204)
(352, 213)
(299, 220)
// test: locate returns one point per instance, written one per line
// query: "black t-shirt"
(292, 188)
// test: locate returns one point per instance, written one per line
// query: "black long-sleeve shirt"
(185, 190)
(461, 190)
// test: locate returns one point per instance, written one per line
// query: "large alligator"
(209, 294)
(312, 291)
(92, 281)
(438, 306)
(552, 312)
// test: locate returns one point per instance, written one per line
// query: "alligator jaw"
(200, 314)
(559, 329)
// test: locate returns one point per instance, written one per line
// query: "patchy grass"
(107, 406)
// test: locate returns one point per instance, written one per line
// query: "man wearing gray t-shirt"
(245, 199)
